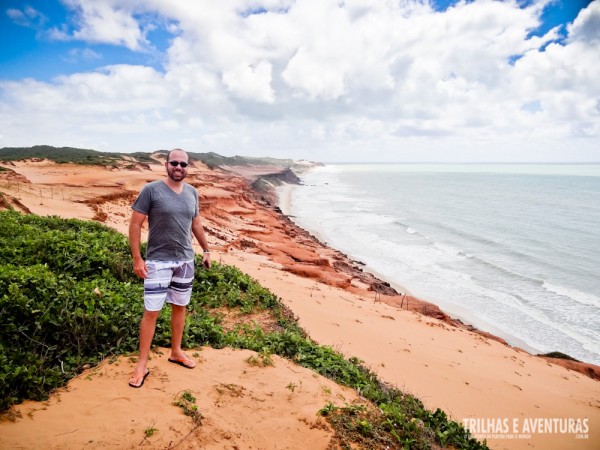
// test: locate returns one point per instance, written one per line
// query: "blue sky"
(354, 80)
(28, 49)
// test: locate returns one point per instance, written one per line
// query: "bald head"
(176, 150)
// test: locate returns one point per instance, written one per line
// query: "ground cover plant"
(68, 299)
(64, 155)
(187, 402)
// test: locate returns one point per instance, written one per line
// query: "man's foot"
(184, 361)
(138, 382)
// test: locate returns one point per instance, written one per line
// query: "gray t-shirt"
(170, 218)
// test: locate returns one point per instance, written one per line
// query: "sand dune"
(243, 406)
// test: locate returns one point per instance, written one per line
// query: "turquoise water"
(513, 249)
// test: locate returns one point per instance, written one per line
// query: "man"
(171, 207)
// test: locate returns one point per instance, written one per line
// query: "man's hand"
(198, 231)
(140, 269)
(206, 260)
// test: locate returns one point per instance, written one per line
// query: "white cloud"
(586, 27)
(117, 102)
(77, 54)
(103, 21)
(564, 80)
(344, 77)
(27, 17)
(250, 82)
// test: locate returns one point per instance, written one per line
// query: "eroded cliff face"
(237, 216)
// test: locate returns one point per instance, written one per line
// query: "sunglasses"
(179, 163)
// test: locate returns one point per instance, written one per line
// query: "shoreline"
(454, 311)
(284, 193)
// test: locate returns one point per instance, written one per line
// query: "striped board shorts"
(169, 281)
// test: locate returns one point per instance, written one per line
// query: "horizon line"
(465, 162)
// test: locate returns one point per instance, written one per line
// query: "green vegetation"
(402, 423)
(68, 155)
(149, 432)
(64, 155)
(262, 359)
(213, 160)
(559, 355)
(187, 402)
(68, 298)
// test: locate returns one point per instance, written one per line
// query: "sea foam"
(508, 248)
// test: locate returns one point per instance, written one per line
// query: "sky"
(323, 80)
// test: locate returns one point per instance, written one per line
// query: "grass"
(55, 323)
(262, 359)
(149, 432)
(187, 402)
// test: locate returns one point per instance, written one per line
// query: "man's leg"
(147, 327)
(177, 326)
(178, 295)
(155, 293)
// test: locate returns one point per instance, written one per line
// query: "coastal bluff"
(407, 341)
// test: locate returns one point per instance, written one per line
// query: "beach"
(510, 249)
(505, 395)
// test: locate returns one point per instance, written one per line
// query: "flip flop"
(143, 379)
(182, 363)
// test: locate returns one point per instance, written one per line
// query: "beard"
(176, 173)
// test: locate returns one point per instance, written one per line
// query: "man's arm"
(198, 231)
(135, 236)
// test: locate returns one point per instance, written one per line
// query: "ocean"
(513, 249)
